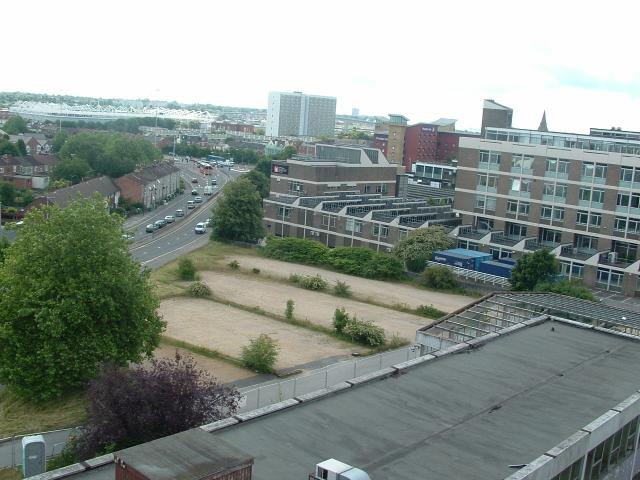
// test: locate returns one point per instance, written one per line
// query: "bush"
(364, 262)
(567, 287)
(342, 289)
(186, 269)
(199, 289)
(255, 270)
(295, 250)
(364, 332)
(430, 311)
(438, 277)
(67, 456)
(396, 341)
(417, 264)
(288, 312)
(340, 319)
(234, 265)
(295, 278)
(313, 282)
(261, 354)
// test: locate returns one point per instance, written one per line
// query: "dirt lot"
(223, 371)
(226, 329)
(375, 290)
(316, 307)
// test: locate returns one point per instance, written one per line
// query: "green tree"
(58, 141)
(238, 214)
(259, 181)
(15, 125)
(532, 269)
(72, 169)
(259, 131)
(4, 245)
(8, 148)
(22, 148)
(288, 152)
(84, 302)
(264, 166)
(7, 193)
(418, 247)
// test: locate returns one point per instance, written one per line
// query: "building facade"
(149, 186)
(578, 195)
(298, 114)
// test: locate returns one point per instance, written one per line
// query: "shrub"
(364, 262)
(430, 311)
(417, 264)
(67, 456)
(234, 265)
(566, 287)
(364, 332)
(261, 354)
(288, 312)
(255, 270)
(295, 250)
(199, 289)
(295, 278)
(439, 277)
(396, 341)
(342, 289)
(340, 319)
(313, 282)
(186, 269)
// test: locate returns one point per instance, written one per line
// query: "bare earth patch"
(316, 307)
(226, 329)
(364, 288)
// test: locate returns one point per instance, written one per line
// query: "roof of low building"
(102, 185)
(151, 174)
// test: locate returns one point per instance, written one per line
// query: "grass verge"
(19, 416)
(205, 352)
(10, 474)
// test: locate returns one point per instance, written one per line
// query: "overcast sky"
(578, 60)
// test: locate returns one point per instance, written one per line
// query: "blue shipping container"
(496, 268)
(462, 258)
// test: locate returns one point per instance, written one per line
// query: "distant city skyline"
(559, 56)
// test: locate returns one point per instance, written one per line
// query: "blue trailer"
(461, 257)
(499, 269)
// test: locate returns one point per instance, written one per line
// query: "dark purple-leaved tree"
(132, 406)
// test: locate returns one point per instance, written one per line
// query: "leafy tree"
(532, 269)
(24, 198)
(260, 181)
(419, 246)
(566, 287)
(58, 184)
(238, 214)
(438, 277)
(84, 301)
(72, 169)
(132, 406)
(15, 125)
(8, 148)
(261, 354)
(287, 152)
(58, 141)
(4, 245)
(22, 148)
(264, 166)
(7, 193)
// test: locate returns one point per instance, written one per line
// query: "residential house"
(150, 185)
(102, 185)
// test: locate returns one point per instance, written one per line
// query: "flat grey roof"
(466, 415)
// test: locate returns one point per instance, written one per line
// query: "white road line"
(172, 251)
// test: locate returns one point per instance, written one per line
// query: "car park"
(169, 219)
(200, 228)
(160, 223)
(152, 227)
(179, 213)
(191, 204)
(198, 199)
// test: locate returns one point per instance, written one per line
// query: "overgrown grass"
(18, 416)
(10, 474)
(199, 350)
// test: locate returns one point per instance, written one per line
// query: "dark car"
(152, 227)
(195, 192)
(160, 223)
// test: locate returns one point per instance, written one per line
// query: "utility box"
(34, 458)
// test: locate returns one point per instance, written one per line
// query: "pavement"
(11, 448)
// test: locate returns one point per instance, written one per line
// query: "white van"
(208, 190)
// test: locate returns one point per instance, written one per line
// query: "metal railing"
(479, 277)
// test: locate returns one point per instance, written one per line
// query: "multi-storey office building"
(345, 196)
(300, 115)
(579, 195)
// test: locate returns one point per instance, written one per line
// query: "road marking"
(171, 251)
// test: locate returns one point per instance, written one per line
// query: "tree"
(7, 193)
(72, 298)
(533, 268)
(22, 148)
(418, 247)
(4, 245)
(288, 152)
(259, 181)
(238, 214)
(8, 148)
(132, 406)
(15, 125)
(261, 354)
(264, 166)
(259, 131)
(72, 169)
(58, 141)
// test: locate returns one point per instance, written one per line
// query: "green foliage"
(430, 311)
(567, 287)
(244, 155)
(84, 302)
(532, 269)
(4, 245)
(255, 270)
(238, 214)
(260, 181)
(287, 152)
(73, 170)
(58, 141)
(199, 289)
(261, 354)
(186, 269)
(8, 148)
(353, 134)
(396, 341)
(342, 289)
(264, 167)
(22, 148)
(313, 282)
(340, 319)
(295, 278)
(234, 265)
(58, 184)
(419, 246)
(364, 332)
(66, 457)
(7, 193)
(438, 277)
(288, 311)
(296, 250)
(259, 131)
(15, 125)
(124, 125)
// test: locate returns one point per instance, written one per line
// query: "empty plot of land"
(226, 329)
(371, 290)
(316, 307)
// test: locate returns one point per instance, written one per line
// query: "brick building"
(150, 185)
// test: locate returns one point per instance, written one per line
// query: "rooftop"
(102, 185)
(492, 104)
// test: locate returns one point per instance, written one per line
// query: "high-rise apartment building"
(578, 195)
(298, 114)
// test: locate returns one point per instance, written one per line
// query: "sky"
(577, 60)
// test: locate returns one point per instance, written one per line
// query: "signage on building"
(280, 169)
(429, 129)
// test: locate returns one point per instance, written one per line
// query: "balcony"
(471, 233)
(570, 251)
(501, 239)
(612, 259)
(534, 244)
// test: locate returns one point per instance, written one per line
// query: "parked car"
(169, 219)
(207, 222)
(198, 199)
(194, 180)
(195, 192)
(179, 213)
(128, 236)
(191, 204)
(160, 223)
(152, 227)
(200, 228)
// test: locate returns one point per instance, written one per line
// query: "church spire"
(543, 123)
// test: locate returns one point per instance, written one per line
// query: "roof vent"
(335, 470)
